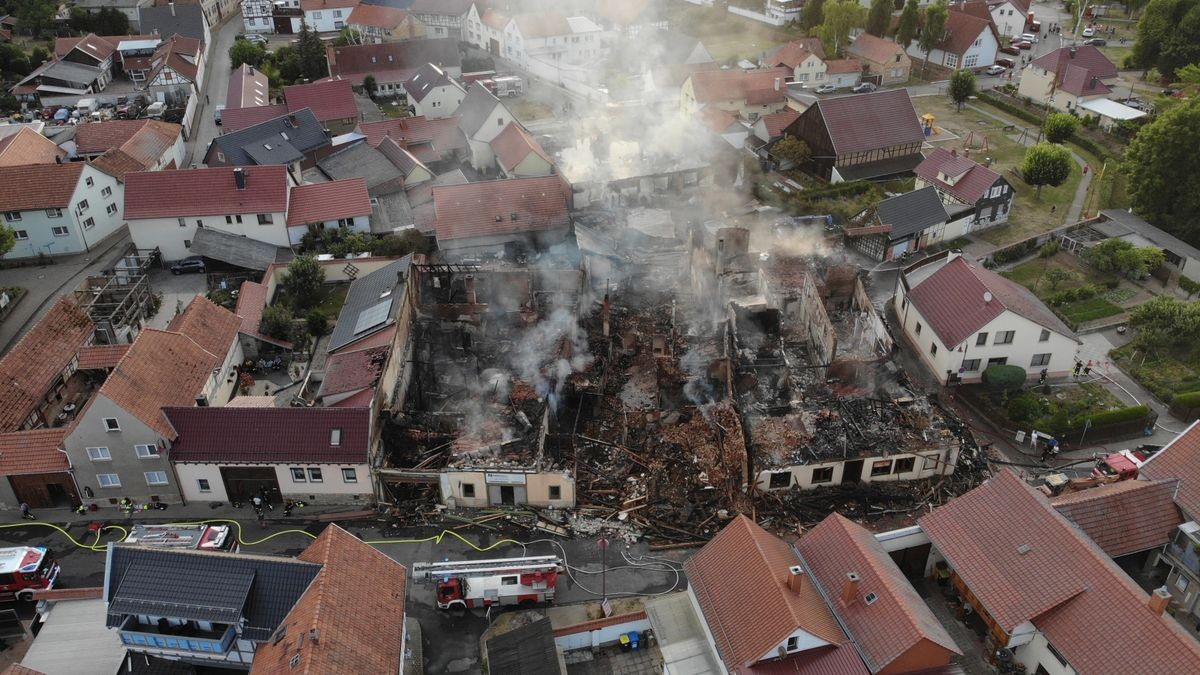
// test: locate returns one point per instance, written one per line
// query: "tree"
(38, 55)
(277, 322)
(880, 17)
(370, 86)
(1056, 276)
(792, 149)
(302, 281)
(1122, 257)
(395, 245)
(316, 323)
(34, 17)
(1164, 321)
(1060, 127)
(1168, 36)
(813, 14)
(935, 28)
(841, 17)
(1162, 165)
(910, 20)
(8, 239)
(244, 51)
(962, 87)
(311, 52)
(1004, 378)
(110, 21)
(1046, 164)
(345, 38)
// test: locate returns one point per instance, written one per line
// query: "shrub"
(1024, 408)
(1086, 292)
(1005, 378)
(1112, 284)
(1117, 416)
(1189, 399)
(277, 322)
(1048, 249)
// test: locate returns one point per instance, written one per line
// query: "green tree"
(1122, 257)
(936, 15)
(1056, 276)
(111, 21)
(370, 86)
(1163, 168)
(813, 14)
(1046, 164)
(277, 322)
(311, 52)
(841, 16)
(1165, 321)
(8, 239)
(34, 17)
(1168, 36)
(345, 38)
(38, 55)
(880, 17)
(403, 243)
(244, 51)
(12, 60)
(303, 282)
(316, 323)
(1060, 127)
(792, 149)
(962, 87)
(910, 20)
(8, 103)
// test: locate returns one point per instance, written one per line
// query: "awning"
(235, 250)
(1112, 109)
(680, 636)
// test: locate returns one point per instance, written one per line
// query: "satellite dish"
(987, 296)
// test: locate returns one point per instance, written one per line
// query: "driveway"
(177, 291)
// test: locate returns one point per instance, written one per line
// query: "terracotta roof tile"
(318, 5)
(252, 434)
(898, 621)
(361, 625)
(777, 122)
(962, 30)
(1025, 562)
(117, 163)
(1180, 459)
(739, 579)
(352, 371)
(1085, 56)
(29, 147)
(391, 61)
(101, 357)
(252, 402)
(252, 299)
(209, 325)
(18, 669)
(248, 88)
(329, 100)
(874, 49)
(486, 208)
(57, 594)
(494, 19)
(514, 144)
(236, 119)
(29, 369)
(842, 66)
(210, 191)
(723, 85)
(716, 120)
(869, 121)
(791, 54)
(328, 201)
(969, 188)
(378, 16)
(97, 137)
(38, 186)
(402, 158)
(842, 659)
(1080, 81)
(455, 8)
(442, 134)
(32, 451)
(152, 141)
(1125, 517)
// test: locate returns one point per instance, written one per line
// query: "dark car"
(1010, 49)
(864, 88)
(1096, 42)
(1007, 63)
(190, 264)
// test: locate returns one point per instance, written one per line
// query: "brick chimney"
(1072, 52)
(850, 588)
(1159, 600)
(795, 578)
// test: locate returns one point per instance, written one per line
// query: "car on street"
(1010, 49)
(1029, 37)
(1096, 42)
(865, 88)
(1023, 44)
(253, 38)
(995, 70)
(1007, 63)
(1089, 31)
(193, 263)
(825, 89)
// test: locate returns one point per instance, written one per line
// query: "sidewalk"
(176, 513)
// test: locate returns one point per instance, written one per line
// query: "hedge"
(1086, 144)
(1117, 416)
(1190, 399)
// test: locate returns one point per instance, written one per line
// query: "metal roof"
(230, 248)
(367, 308)
(74, 634)
(912, 212)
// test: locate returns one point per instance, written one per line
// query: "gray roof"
(186, 20)
(391, 211)
(400, 157)
(68, 71)
(879, 169)
(305, 135)
(426, 79)
(1121, 223)
(911, 212)
(266, 152)
(367, 295)
(204, 586)
(236, 250)
(74, 633)
(476, 109)
(528, 650)
(360, 159)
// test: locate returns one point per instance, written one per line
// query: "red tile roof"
(30, 368)
(898, 624)
(952, 301)
(710, 86)
(329, 100)
(33, 451)
(377, 16)
(97, 137)
(1125, 517)
(318, 5)
(443, 135)
(235, 434)
(1180, 459)
(840, 660)
(101, 357)
(485, 208)
(200, 192)
(962, 30)
(391, 61)
(208, 324)
(99, 48)
(869, 121)
(1085, 56)
(542, 25)
(247, 88)
(1025, 562)
(334, 200)
(252, 299)
(739, 579)
(351, 371)
(117, 163)
(360, 625)
(494, 19)
(777, 122)
(842, 66)
(514, 144)
(236, 119)
(874, 49)
(790, 54)
(29, 147)
(1082, 82)
(39, 186)
(969, 188)
(597, 624)
(717, 120)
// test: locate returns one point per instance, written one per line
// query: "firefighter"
(25, 512)
(126, 505)
(1087, 370)
(1042, 376)
(288, 505)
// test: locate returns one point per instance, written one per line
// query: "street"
(215, 87)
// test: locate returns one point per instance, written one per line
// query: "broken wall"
(874, 325)
(818, 330)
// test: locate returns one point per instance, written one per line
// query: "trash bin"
(626, 645)
(634, 640)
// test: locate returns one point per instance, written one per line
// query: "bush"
(1024, 408)
(1048, 249)
(1065, 296)
(1004, 378)
(277, 322)
(1189, 399)
(1086, 292)
(223, 298)
(1117, 416)
(395, 245)
(1112, 284)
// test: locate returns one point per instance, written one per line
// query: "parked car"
(1007, 63)
(995, 70)
(217, 114)
(1089, 31)
(865, 88)
(1029, 37)
(193, 263)
(1023, 44)
(825, 89)
(257, 39)
(1010, 49)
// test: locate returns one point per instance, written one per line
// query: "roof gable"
(368, 294)
(1124, 517)
(39, 186)
(963, 29)
(33, 451)
(392, 61)
(875, 49)
(972, 181)
(328, 99)
(514, 144)
(1180, 459)
(1083, 56)
(872, 121)
(209, 325)
(759, 86)
(29, 147)
(330, 201)
(427, 78)
(476, 109)
(1080, 81)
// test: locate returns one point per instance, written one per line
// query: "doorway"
(243, 482)
(508, 496)
(852, 471)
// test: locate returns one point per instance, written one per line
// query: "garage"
(38, 473)
(243, 482)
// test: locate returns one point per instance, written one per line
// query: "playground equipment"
(927, 121)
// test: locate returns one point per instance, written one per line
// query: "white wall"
(256, 16)
(1037, 654)
(604, 636)
(1009, 20)
(37, 225)
(979, 55)
(174, 239)
(333, 489)
(328, 18)
(441, 102)
(931, 462)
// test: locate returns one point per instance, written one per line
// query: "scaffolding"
(120, 300)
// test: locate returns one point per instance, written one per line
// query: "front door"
(507, 495)
(852, 471)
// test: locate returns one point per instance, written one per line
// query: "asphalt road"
(215, 86)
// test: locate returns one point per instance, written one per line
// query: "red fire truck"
(501, 581)
(25, 569)
(1125, 464)
(196, 537)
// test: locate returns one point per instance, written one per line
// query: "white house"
(1068, 77)
(518, 155)
(976, 197)
(801, 56)
(339, 204)
(326, 16)
(257, 16)
(59, 208)
(970, 42)
(961, 319)
(553, 38)
(1008, 15)
(432, 93)
(165, 209)
(482, 117)
(484, 28)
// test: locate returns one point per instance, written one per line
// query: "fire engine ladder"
(543, 563)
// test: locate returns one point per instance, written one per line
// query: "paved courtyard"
(613, 661)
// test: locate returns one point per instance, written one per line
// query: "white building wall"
(329, 18)
(1037, 653)
(811, 71)
(1009, 20)
(333, 488)
(926, 464)
(174, 238)
(440, 102)
(256, 16)
(85, 227)
(359, 224)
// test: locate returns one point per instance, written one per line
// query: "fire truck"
(195, 537)
(500, 581)
(25, 569)
(1125, 464)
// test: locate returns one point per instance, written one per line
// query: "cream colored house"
(1067, 77)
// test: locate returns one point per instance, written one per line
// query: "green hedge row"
(1117, 416)
(1190, 399)
(1086, 144)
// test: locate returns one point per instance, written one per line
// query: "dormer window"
(793, 644)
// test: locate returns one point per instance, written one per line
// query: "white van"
(217, 114)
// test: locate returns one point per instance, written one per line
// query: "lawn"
(1165, 374)
(1052, 411)
(726, 36)
(1031, 215)
(333, 297)
(527, 110)
(1078, 313)
(1032, 274)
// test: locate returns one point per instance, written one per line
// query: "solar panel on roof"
(373, 316)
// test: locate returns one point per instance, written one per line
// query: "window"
(870, 598)
(897, 58)
(82, 206)
(89, 181)
(1045, 336)
(997, 361)
(1040, 360)
(972, 60)
(220, 156)
(110, 209)
(12, 216)
(62, 231)
(555, 492)
(108, 480)
(314, 476)
(106, 192)
(199, 223)
(1004, 337)
(349, 476)
(335, 437)
(182, 222)
(187, 243)
(499, 121)
(156, 478)
(468, 490)
(110, 424)
(146, 451)
(970, 365)
(918, 328)
(952, 60)
(881, 468)
(930, 463)
(54, 213)
(316, 15)
(263, 219)
(295, 661)
(298, 475)
(508, 581)
(1061, 659)
(21, 235)
(904, 464)
(793, 643)
(822, 474)
(933, 348)
(202, 484)
(99, 454)
(781, 480)
(337, 13)
(1181, 583)
(981, 340)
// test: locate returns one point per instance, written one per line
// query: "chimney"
(850, 588)
(778, 81)
(201, 401)
(1072, 52)
(470, 284)
(239, 177)
(294, 121)
(954, 152)
(1159, 600)
(795, 578)
(1092, 82)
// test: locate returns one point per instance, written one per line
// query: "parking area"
(177, 291)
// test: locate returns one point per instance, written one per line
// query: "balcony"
(1184, 555)
(187, 638)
